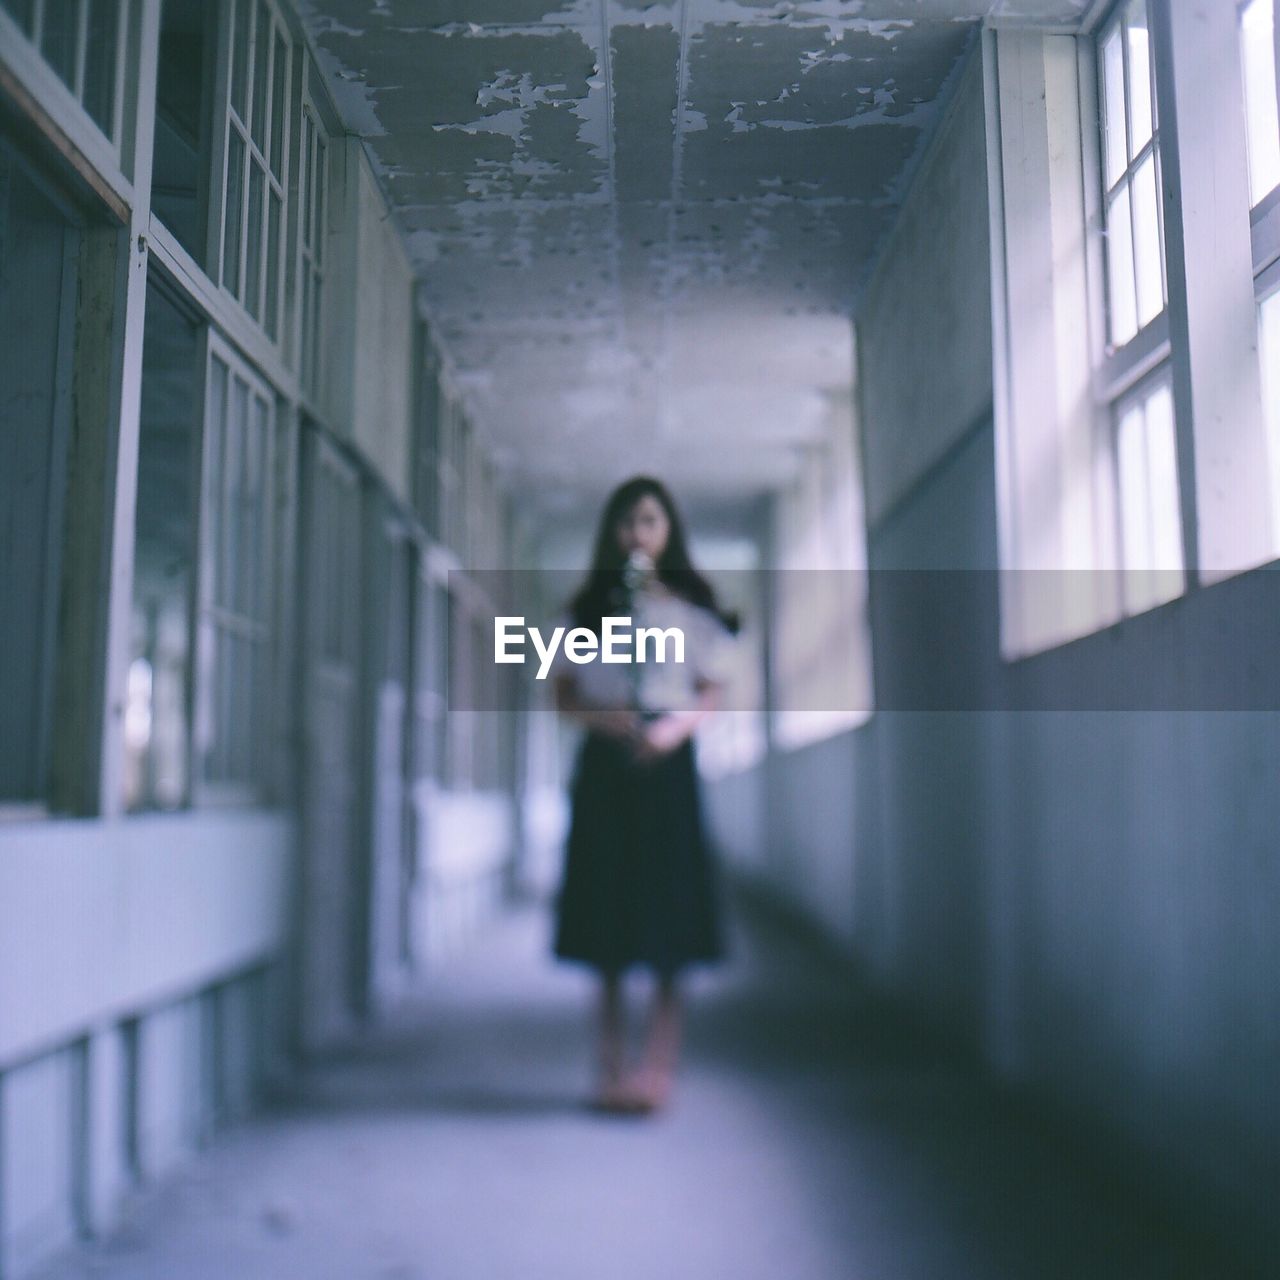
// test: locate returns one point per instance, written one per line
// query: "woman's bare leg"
(613, 1035)
(662, 1049)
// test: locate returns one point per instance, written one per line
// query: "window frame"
(228, 128)
(74, 225)
(313, 228)
(1115, 21)
(1121, 373)
(114, 132)
(160, 281)
(1269, 201)
(213, 618)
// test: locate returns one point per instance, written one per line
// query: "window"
(1269, 349)
(1262, 119)
(1147, 539)
(252, 223)
(234, 591)
(157, 714)
(1134, 224)
(83, 41)
(1258, 35)
(314, 191)
(38, 256)
(180, 165)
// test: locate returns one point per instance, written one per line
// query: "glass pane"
(321, 179)
(226, 703)
(240, 57)
(1162, 483)
(1257, 34)
(272, 313)
(100, 63)
(179, 157)
(1140, 106)
(307, 144)
(256, 567)
(34, 334)
(216, 432)
(156, 729)
(58, 38)
(1113, 130)
(228, 506)
(242, 509)
(242, 769)
(279, 70)
(1269, 345)
(253, 241)
(233, 213)
(1131, 461)
(1120, 287)
(1147, 249)
(317, 322)
(305, 351)
(261, 63)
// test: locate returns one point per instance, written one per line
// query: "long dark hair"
(603, 589)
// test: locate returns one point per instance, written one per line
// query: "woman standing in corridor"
(639, 885)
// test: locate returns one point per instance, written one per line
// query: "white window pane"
(1147, 249)
(1269, 317)
(1114, 144)
(1131, 461)
(1162, 464)
(1140, 110)
(1261, 119)
(1120, 287)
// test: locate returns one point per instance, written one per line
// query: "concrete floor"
(809, 1140)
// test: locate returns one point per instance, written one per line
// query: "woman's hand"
(662, 736)
(617, 722)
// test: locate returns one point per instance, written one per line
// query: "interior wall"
(1081, 897)
(140, 1006)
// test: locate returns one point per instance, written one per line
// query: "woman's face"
(644, 528)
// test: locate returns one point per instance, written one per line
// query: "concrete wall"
(1083, 898)
(924, 332)
(139, 1006)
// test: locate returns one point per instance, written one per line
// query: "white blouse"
(652, 685)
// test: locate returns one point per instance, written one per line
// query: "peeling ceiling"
(643, 224)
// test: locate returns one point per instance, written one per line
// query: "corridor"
(919, 358)
(812, 1138)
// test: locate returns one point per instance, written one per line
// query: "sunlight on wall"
(822, 636)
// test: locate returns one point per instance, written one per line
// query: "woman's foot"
(622, 1096)
(652, 1086)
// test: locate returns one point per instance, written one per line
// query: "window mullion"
(1159, 176)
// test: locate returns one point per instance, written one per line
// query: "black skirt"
(640, 882)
